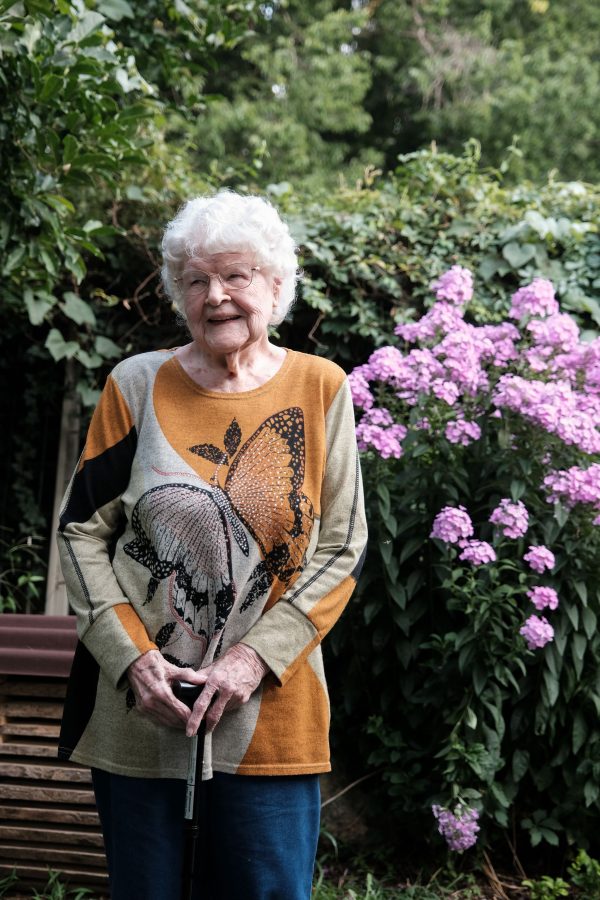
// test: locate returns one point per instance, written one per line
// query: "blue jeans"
(259, 840)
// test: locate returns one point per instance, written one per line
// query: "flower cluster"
(543, 597)
(540, 558)
(455, 285)
(512, 517)
(477, 552)
(537, 632)
(452, 525)
(459, 828)
(536, 299)
(575, 485)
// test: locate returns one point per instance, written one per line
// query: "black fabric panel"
(80, 700)
(358, 567)
(100, 480)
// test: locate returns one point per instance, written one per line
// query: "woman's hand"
(151, 678)
(230, 680)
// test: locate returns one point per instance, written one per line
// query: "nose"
(216, 291)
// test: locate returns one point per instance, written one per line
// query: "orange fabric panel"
(176, 409)
(293, 724)
(134, 627)
(327, 610)
(111, 422)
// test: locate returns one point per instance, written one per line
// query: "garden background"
(399, 138)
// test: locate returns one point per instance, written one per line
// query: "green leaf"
(590, 792)
(107, 348)
(580, 732)
(518, 254)
(579, 646)
(58, 347)
(13, 260)
(88, 23)
(552, 687)
(581, 588)
(77, 310)
(38, 305)
(70, 148)
(470, 718)
(520, 764)
(590, 621)
(409, 548)
(51, 86)
(115, 9)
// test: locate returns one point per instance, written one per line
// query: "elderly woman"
(213, 532)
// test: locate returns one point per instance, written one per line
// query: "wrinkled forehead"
(212, 262)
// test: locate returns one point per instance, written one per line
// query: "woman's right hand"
(151, 678)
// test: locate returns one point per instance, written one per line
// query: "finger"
(215, 712)
(200, 707)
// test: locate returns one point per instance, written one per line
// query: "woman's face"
(222, 316)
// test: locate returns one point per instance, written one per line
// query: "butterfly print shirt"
(196, 519)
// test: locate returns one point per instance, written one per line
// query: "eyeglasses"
(232, 278)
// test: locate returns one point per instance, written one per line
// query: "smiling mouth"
(221, 320)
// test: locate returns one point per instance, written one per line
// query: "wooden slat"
(77, 875)
(51, 834)
(23, 748)
(33, 709)
(86, 817)
(45, 794)
(44, 772)
(30, 729)
(54, 856)
(33, 688)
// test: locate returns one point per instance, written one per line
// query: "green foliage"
(20, 579)
(370, 253)
(458, 709)
(546, 888)
(584, 873)
(297, 105)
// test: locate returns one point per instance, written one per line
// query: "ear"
(276, 290)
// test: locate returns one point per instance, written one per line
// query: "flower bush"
(480, 448)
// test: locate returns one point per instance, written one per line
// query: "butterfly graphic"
(184, 532)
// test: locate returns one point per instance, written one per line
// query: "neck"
(241, 369)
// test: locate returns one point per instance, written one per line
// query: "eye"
(199, 280)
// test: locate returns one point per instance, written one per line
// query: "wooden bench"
(48, 817)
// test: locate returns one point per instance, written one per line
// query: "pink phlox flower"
(543, 597)
(458, 828)
(445, 390)
(537, 632)
(535, 299)
(574, 485)
(452, 524)
(385, 363)
(555, 407)
(556, 332)
(419, 369)
(512, 517)
(455, 285)
(378, 415)
(359, 389)
(540, 558)
(477, 552)
(462, 432)
(442, 318)
(386, 441)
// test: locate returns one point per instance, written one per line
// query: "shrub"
(473, 641)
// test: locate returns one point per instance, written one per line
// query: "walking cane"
(188, 694)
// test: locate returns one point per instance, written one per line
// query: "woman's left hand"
(230, 680)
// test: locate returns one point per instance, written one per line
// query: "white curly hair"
(227, 222)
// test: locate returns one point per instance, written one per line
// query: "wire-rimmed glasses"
(236, 277)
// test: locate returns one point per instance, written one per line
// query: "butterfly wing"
(171, 523)
(264, 484)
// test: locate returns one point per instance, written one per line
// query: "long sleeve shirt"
(197, 519)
